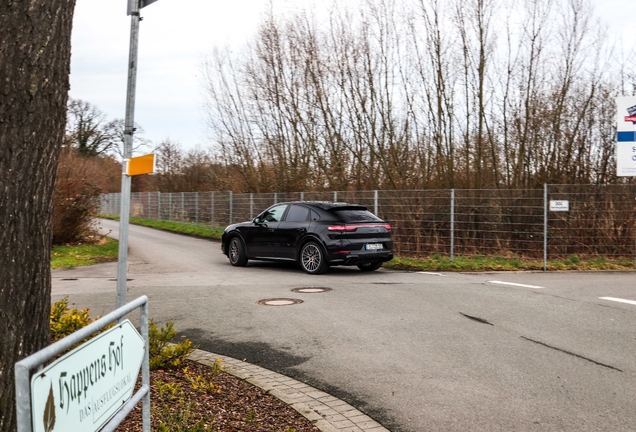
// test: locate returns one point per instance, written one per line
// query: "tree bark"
(35, 50)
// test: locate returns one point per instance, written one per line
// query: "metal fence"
(600, 221)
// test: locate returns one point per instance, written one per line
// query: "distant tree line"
(397, 94)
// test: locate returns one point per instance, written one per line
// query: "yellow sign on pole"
(141, 165)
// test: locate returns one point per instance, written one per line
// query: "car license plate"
(374, 246)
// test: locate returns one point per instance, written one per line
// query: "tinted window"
(357, 216)
(297, 214)
(275, 214)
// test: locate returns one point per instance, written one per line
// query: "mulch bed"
(235, 406)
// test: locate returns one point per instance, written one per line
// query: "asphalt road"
(415, 351)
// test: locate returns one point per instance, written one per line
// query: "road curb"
(327, 412)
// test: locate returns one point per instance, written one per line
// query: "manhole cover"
(309, 290)
(279, 302)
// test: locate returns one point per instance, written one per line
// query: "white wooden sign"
(85, 388)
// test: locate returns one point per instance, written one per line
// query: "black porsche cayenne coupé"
(314, 234)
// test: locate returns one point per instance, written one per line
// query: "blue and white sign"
(626, 136)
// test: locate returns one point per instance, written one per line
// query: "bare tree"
(88, 131)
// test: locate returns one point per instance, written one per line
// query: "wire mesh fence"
(598, 221)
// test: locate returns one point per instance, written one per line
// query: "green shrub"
(204, 383)
(64, 321)
(179, 417)
(162, 353)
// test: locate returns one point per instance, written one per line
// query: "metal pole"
(231, 208)
(375, 202)
(212, 210)
(145, 367)
(545, 227)
(196, 208)
(122, 263)
(452, 226)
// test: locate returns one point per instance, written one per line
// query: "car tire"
(236, 252)
(369, 267)
(313, 259)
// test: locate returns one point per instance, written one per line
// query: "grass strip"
(479, 263)
(189, 228)
(472, 263)
(84, 254)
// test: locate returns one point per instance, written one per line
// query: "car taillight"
(342, 228)
(351, 228)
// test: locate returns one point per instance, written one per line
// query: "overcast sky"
(175, 36)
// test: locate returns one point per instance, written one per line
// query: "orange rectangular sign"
(141, 165)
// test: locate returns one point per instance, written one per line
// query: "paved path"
(523, 351)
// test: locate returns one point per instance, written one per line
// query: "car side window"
(297, 214)
(314, 216)
(275, 214)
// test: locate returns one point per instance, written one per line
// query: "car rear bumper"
(361, 257)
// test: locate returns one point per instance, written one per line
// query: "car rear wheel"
(369, 267)
(236, 252)
(312, 259)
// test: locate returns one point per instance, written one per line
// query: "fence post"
(231, 209)
(212, 209)
(375, 202)
(196, 207)
(452, 226)
(545, 227)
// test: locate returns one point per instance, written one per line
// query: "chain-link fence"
(585, 220)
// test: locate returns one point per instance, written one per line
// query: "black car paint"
(283, 240)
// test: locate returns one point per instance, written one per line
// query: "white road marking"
(515, 284)
(431, 273)
(620, 300)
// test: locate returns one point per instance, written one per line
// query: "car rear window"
(356, 216)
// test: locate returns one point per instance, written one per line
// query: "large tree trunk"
(35, 51)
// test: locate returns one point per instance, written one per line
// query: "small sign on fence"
(560, 205)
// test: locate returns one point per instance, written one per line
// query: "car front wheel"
(236, 252)
(369, 267)
(312, 259)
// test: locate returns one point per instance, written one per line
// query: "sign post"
(122, 261)
(626, 139)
